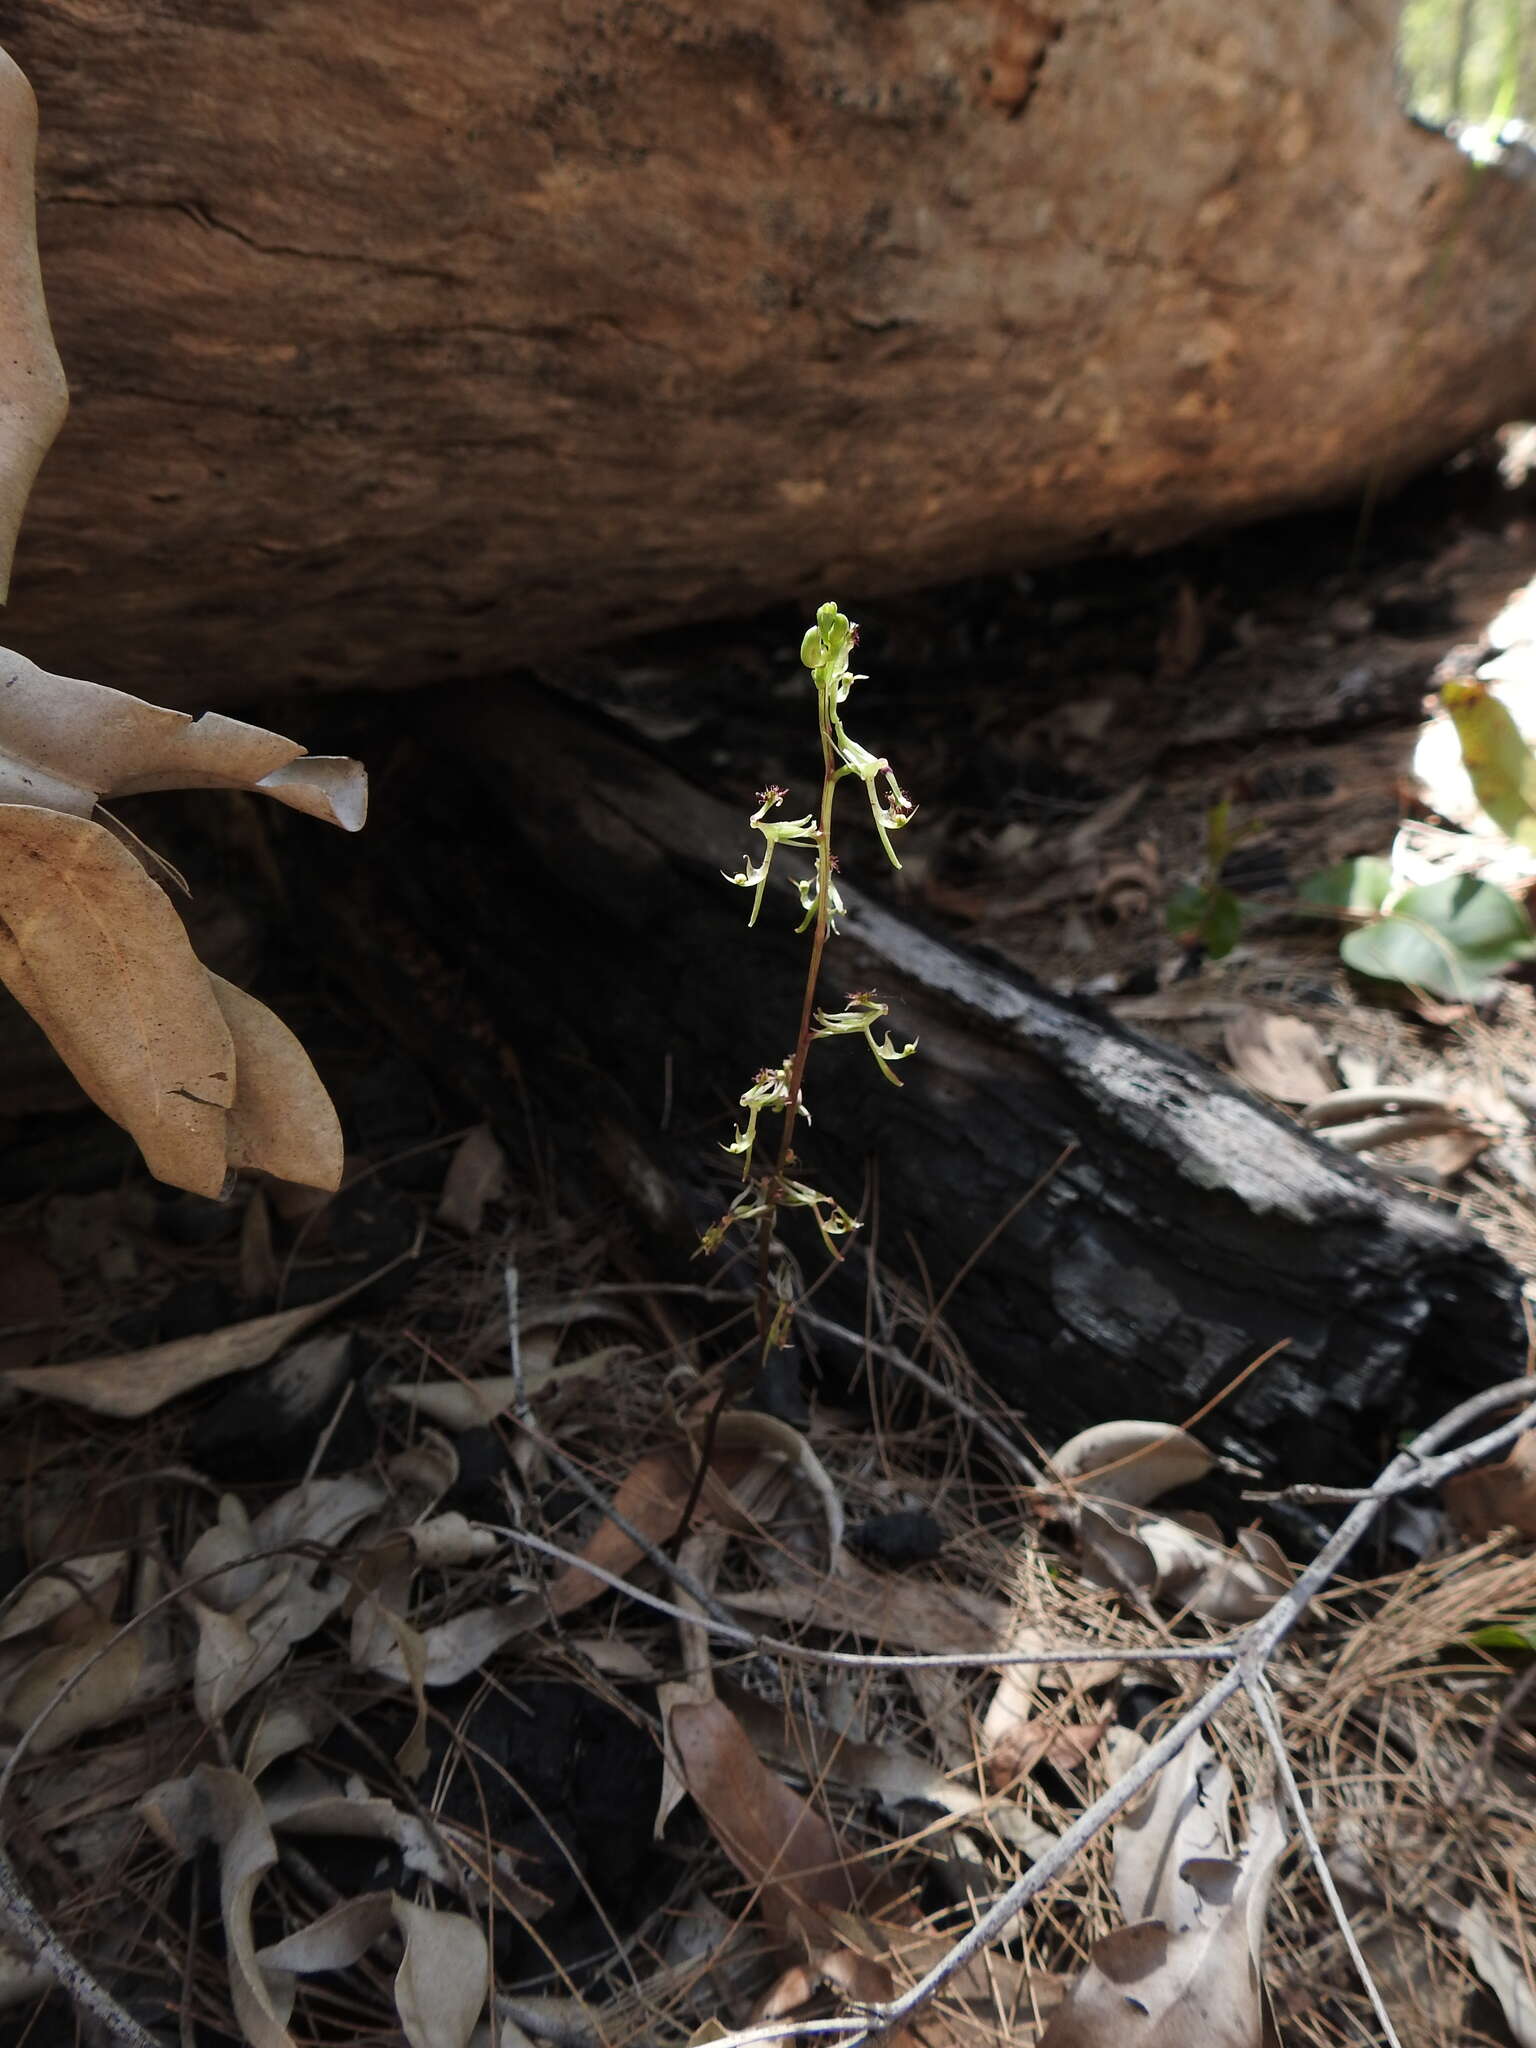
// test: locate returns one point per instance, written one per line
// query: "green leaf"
(1213, 916)
(1448, 938)
(1223, 925)
(1185, 912)
(1499, 1636)
(1497, 757)
(1359, 885)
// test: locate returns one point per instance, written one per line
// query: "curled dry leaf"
(58, 1589)
(33, 395)
(469, 1404)
(203, 1077)
(237, 1652)
(1278, 1056)
(806, 1749)
(1159, 1984)
(651, 1498)
(252, 1603)
(1183, 1814)
(455, 1648)
(281, 1120)
(1110, 1472)
(133, 1383)
(747, 1429)
(1501, 1496)
(72, 1687)
(335, 1941)
(440, 1987)
(1181, 1561)
(66, 744)
(1507, 1976)
(476, 1175)
(700, 1556)
(222, 1806)
(883, 1608)
(305, 1802)
(94, 951)
(441, 1984)
(1131, 1462)
(783, 1848)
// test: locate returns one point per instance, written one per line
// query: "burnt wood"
(566, 883)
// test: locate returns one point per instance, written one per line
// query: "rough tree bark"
(410, 343)
(542, 882)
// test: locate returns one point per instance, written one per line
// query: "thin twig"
(889, 1354)
(1263, 1702)
(848, 1660)
(1252, 1649)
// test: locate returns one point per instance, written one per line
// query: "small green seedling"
(1206, 913)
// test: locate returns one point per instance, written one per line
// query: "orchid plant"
(771, 1180)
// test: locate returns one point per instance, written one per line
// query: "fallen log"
(407, 348)
(569, 883)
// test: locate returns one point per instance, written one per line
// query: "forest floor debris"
(344, 1751)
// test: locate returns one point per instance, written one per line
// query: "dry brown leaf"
(856, 1976)
(281, 1121)
(91, 1680)
(1181, 1561)
(700, 1556)
(455, 1648)
(65, 744)
(441, 1985)
(651, 1498)
(134, 1383)
(237, 1652)
(221, 1805)
(96, 954)
(783, 1848)
(55, 1591)
(1062, 1744)
(883, 1607)
(1501, 1496)
(33, 395)
(1183, 1814)
(298, 1722)
(749, 1429)
(1279, 1056)
(476, 1175)
(308, 1803)
(1153, 1985)
(335, 1941)
(819, 1755)
(1131, 1462)
(93, 949)
(469, 1404)
(1507, 1976)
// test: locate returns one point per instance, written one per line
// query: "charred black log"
(571, 882)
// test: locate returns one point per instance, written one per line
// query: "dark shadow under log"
(571, 883)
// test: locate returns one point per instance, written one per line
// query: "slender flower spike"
(863, 1013)
(826, 651)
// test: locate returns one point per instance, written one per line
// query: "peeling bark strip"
(409, 345)
(579, 905)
